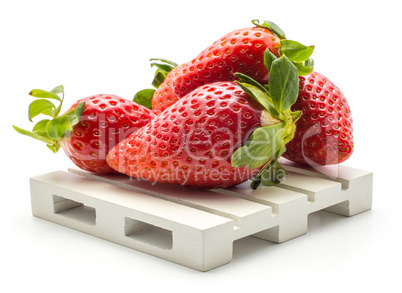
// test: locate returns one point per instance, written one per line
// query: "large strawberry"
(89, 129)
(240, 51)
(324, 131)
(217, 135)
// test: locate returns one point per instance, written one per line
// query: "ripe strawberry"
(191, 143)
(240, 51)
(89, 129)
(201, 140)
(324, 131)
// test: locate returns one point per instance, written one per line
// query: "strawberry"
(240, 51)
(191, 142)
(218, 135)
(324, 131)
(89, 129)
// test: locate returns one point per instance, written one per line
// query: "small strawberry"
(324, 131)
(240, 51)
(218, 135)
(89, 129)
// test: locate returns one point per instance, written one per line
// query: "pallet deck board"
(243, 212)
(195, 227)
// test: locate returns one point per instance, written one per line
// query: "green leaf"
(249, 80)
(34, 135)
(144, 98)
(54, 147)
(41, 107)
(296, 115)
(309, 63)
(42, 134)
(273, 175)
(159, 78)
(58, 127)
(165, 68)
(271, 26)
(49, 130)
(41, 126)
(268, 59)
(296, 51)
(171, 63)
(75, 114)
(303, 69)
(58, 90)
(261, 146)
(44, 94)
(283, 83)
(78, 110)
(260, 95)
(162, 71)
(267, 175)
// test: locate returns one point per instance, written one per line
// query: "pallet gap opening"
(149, 234)
(74, 210)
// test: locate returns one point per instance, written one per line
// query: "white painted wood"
(191, 237)
(290, 210)
(248, 215)
(194, 227)
(356, 187)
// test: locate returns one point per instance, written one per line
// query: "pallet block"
(192, 227)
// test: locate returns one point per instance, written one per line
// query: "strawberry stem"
(297, 53)
(271, 26)
(51, 131)
(272, 179)
(278, 122)
(144, 97)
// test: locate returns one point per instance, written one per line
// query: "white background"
(104, 46)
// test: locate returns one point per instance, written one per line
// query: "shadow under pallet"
(195, 227)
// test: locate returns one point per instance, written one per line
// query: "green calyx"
(51, 131)
(163, 67)
(268, 143)
(297, 53)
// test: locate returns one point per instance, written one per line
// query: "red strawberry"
(201, 140)
(89, 129)
(191, 142)
(240, 51)
(324, 131)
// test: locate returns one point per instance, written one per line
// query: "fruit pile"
(225, 117)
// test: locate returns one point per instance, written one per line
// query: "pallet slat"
(249, 217)
(120, 214)
(194, 227)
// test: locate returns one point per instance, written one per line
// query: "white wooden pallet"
(195, 228)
